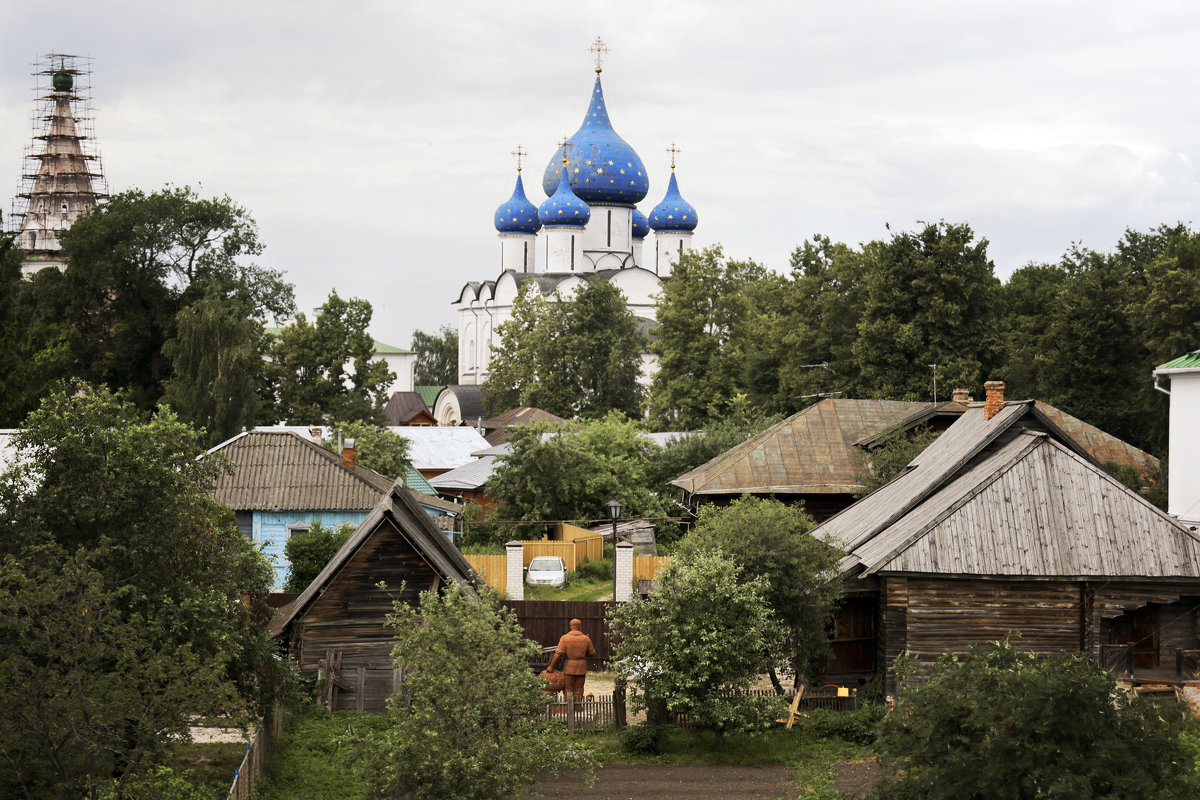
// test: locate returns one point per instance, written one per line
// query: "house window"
(245, 523)
(297, 528)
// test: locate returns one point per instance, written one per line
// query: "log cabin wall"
(350, 615)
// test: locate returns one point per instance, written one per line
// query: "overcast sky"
(371, 140)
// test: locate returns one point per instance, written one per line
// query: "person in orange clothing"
(574, 648)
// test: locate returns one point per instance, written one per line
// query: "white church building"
(588, 228)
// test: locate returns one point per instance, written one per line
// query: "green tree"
(134, 262)
(467, 722)
(687, 451)
(375, 447)
(578, 357)
(322, 371)
(437, 357)
(12, 349)
(769, 540)
(1028, 300)
(817, 332)
(930, 300)
(122, 596)
(568, 472)
(217, 378)
(310, 551)
(1007, 725)
(704, 314)
(889, 459)
(695, 646)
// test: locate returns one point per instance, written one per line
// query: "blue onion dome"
(602, 165)
(673, 213)
(564, 208)
(517, 214)
(641, 227)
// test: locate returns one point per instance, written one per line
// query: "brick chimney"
(961, 396)
(995, 398)
(350, 455)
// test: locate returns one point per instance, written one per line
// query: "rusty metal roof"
(1101, 446)
(281, 470)
(812, 452)
(497, 426)
(403, 406)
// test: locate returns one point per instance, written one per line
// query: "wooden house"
(1007, 524)
(338, 624)
(408, 409)
(810, 457)
(496, 429)
(284, 482)
(819, 456)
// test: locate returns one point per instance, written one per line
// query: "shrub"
(645, 738)
(597, 570)
(1010, 725)
(860, 726)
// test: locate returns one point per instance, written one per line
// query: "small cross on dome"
(600, 49)
(674, 151)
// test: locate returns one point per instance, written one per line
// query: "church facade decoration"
(588, 228)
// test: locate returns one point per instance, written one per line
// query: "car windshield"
(544, 566)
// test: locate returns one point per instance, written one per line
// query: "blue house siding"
(271, 531)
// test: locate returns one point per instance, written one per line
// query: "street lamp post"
(614, 513)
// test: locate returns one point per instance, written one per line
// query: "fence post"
(623, 572)
(570, 714)
(515, 572)
(619, 702)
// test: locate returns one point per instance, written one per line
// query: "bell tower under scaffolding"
(62, 177)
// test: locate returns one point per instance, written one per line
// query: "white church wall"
(1183, 488)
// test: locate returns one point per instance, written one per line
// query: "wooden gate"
(545, 621)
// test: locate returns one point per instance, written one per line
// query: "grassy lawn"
(576, 589)
(314, 759)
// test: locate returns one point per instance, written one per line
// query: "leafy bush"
(1010, 725)
(645, 738)
(860, 726)
(598, 570)
(310, 551)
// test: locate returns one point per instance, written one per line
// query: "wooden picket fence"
(601, 712)
(257, 753)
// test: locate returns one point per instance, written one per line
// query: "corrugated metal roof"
(1187, 361)
(436, 447)
(285, 471)
(497, 426)
(468, 476)
(1034, 508)
(382, 349)
(811, 452)
(429, 393)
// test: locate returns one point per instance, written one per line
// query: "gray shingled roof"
(1033, 508)
(281, 470)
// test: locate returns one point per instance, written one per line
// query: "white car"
(547, 571)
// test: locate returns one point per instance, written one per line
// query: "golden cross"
(520, 154)
(674, 151)
(564, 144)
(600, 49)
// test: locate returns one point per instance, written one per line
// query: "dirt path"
(624, 782)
